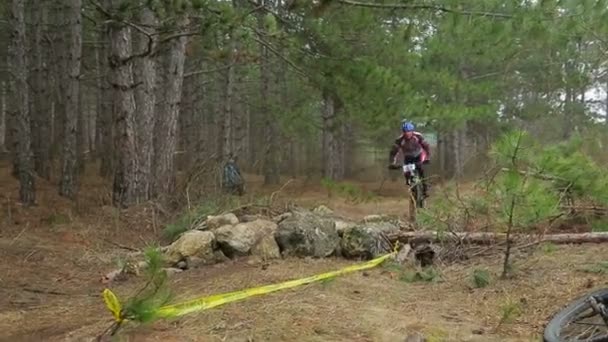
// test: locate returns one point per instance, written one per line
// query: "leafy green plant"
(392, 266)
(480, 278)
(143, 305)
(599, 268)
(510, 310)
(548, 248)
(599, 225)
(427, 275)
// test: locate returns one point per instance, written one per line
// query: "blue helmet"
(407, 126)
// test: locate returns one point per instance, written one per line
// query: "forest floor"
(53, 256)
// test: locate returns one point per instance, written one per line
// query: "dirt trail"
(54, 254)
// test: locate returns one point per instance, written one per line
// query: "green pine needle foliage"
(142, 307)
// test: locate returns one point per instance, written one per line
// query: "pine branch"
(425, 7)
(278, 54)
(208, 71)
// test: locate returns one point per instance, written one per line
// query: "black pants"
(416, 160)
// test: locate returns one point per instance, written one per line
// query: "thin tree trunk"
(82, 138)
(271, 132)
(68, 186)
(124, 99)
(60, 73)
(145, 98)
(18, 58)
(105, 116)
(3, 117)
(40, 117)
(164, 171)
(227, 112)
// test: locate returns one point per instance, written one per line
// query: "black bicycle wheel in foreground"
(579, 322)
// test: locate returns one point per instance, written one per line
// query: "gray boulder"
(342, 226)
(197, 244)
(367, 240)
(307, 234)
(255, 238)
(217, 221)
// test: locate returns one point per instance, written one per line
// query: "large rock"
(255, 237)
(342, 226)
(306, 234)
(267, 248)
(367, 240)
(197, 244)
(214, 222)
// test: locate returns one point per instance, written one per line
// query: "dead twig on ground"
(121, 246)
(18, 235)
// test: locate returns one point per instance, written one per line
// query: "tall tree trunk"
(105, 115)
(348, 145)
(332, 159)
(3, 117)
(82, 138)
(239, 117)
(145, 98)
(164, 170)
(60, 74)
(456, 152)
(227, 112)
(69, 176)
(41, 118)
(606, 111)
(271, 132)
(442, 153)
(124, 99)
(18, 58)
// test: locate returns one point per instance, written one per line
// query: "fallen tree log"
(490, 238)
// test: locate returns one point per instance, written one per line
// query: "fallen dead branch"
(491, 238)
(129, 248)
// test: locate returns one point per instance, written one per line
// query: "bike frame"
(409, 170)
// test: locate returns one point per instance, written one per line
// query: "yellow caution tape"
(112, 304)
(204, 303)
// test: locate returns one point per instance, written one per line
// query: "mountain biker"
(414, 149)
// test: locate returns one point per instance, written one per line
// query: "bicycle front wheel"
(578, 322)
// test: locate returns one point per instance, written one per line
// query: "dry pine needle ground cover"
(54, 254)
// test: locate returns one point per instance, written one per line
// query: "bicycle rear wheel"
(577, 322)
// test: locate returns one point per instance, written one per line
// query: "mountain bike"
(414, 183)
(585, 319)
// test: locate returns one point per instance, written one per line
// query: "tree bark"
(164, 170)
(332, 156)
(60, 73)
(40, 88)
(106, 108)
(145, 98)
(272, 175)
(227, 107)
(3, 117)
(18, 58)
(124, 141)
(68, 186)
